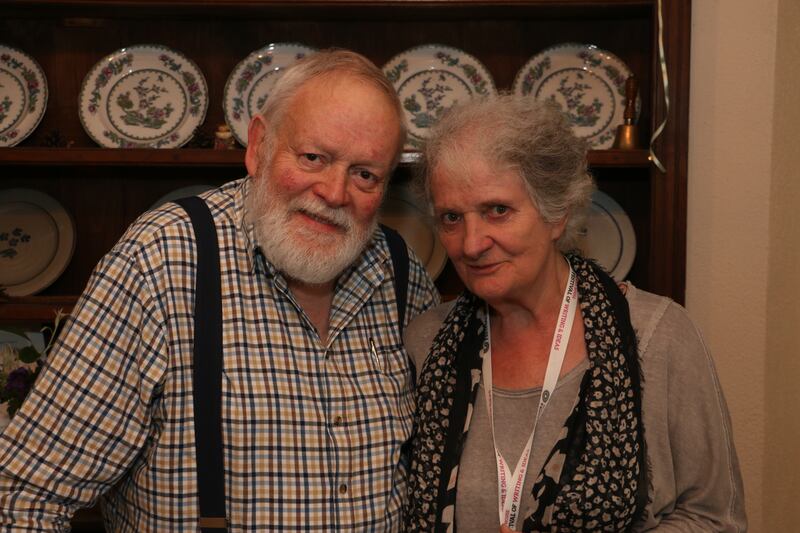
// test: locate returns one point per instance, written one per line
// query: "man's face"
(319, 190)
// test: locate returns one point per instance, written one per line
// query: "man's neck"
(315, 300)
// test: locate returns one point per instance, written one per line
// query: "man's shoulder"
(169, 223)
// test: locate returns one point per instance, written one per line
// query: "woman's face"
(492, 231)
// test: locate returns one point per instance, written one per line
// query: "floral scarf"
(595, 477)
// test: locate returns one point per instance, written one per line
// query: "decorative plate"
(144, 96)
(588, 83)
(608, 236)
(401, 212)
(23, 95)
(432, 78)
(252, 80)
(37, 238)
(183, 192)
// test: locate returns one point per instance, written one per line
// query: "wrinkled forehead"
(338, 88)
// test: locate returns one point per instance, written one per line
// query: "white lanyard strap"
(509, 486)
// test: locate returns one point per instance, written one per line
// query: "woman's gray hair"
(532, 137)
(322, 63)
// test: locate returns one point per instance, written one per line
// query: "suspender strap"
(207, 369)
(399, 253)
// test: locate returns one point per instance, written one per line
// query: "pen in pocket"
(374, 352)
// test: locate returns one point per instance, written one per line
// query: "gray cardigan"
(695, 483)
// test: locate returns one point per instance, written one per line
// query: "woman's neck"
(537, 307)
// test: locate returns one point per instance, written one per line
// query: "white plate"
(23, 95)
(587, 82)
(608, 236)
(144, 96)
(252, 80)
(183, 192)
(37, 238)
(401, 212)
(430, 79)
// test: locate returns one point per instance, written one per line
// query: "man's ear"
(256, 131)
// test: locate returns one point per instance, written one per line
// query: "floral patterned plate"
(432, 78)
(608, 236)
(23, 95)
(37, 238)
(251, 81)
(401, 211)
(588, 83)
(144, 96)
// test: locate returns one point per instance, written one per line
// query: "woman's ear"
(557, 228)
(256, 131)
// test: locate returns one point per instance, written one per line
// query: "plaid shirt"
(312, 430)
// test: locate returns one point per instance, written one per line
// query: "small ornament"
(223, 138)
(627, 133)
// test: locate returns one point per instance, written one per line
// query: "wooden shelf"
(189, 157)
(35, 308)
(185, 157)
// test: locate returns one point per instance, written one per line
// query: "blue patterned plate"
(608, 236)
(144, 96)
(23, 95)
(588, 83)
(37, 238)
(432, 78)
(251, 81)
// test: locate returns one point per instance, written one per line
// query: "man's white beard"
(297, 251)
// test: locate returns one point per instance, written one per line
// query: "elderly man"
(299, 315)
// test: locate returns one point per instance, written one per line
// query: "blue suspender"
(207, 367)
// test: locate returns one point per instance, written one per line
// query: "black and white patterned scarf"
(595, 477)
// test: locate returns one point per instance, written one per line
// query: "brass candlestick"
(627, 133)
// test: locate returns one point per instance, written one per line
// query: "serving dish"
(37, 239)
(587, 82)
(431, 78)
(608, 236)
(252, 80)
(23, 95)
(402, 212)
(143, 96)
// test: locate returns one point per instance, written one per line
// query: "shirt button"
(337, 421)
(343, 488)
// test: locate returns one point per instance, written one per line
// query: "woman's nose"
(476, 237)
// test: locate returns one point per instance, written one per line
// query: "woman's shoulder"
(419, 334)
(661, 323)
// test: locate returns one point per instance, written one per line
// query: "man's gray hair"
(322, 63)
(532, 137)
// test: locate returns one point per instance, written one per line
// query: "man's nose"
(332, 187)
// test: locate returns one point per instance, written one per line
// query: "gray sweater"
(694, 474)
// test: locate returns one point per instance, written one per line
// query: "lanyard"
(509, 485)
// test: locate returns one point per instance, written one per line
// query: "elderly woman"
(550, 398)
